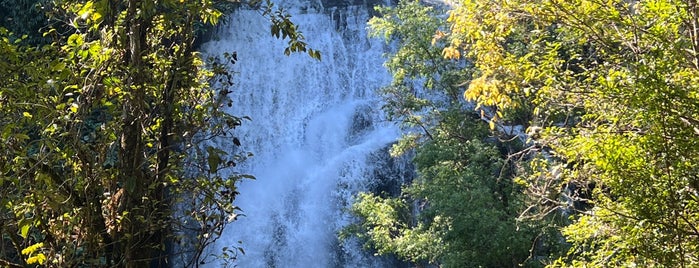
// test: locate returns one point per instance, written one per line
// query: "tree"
(18, 104)
(112, 137)
(467, 210)
(94, 162)
(461, 209)
(612, 88)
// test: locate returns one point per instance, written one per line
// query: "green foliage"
(418, 57)
(282, 27)
(461, 181)
(612, 86)
(386, 229)
(461, 210)
(424, 83)
(25, 17)
(111, 136)
(467, 210)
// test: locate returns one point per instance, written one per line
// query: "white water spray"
(316, 131)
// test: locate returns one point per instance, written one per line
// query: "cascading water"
(317, 135)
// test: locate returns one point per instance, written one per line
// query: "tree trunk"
(133, 179)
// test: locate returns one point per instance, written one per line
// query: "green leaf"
(214, 159)
(76, 40)
(24, 230)
(7, 130)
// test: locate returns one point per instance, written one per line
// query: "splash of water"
(317, 134)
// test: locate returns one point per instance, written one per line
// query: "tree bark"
(132, 159)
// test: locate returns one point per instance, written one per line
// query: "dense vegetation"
(545, 133)
(107, 113)
(604, 170)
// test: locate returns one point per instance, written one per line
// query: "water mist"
(317, 135)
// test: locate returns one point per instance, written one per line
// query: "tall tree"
(112, 136)
(612, 86)
(460, 210)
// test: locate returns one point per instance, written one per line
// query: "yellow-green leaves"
(211, 16)
(604, 81)
(24, 230)
(97, 123)
(495, 36)
(87, 16)
(451, 53)
(76, 40)
(34, 256)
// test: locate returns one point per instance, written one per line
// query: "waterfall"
(317, 135)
